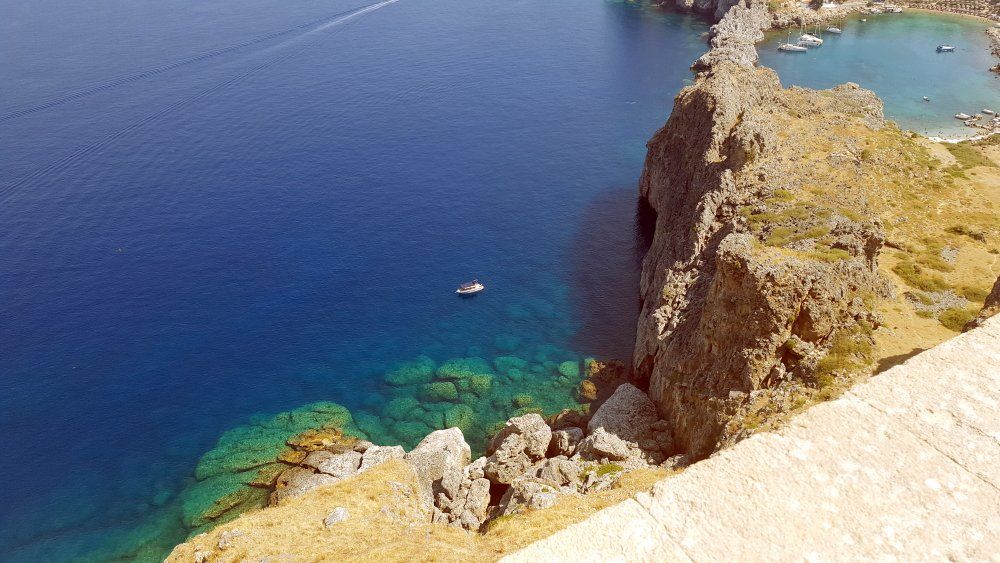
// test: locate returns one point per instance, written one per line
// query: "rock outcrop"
(745, 286)
(990, 308)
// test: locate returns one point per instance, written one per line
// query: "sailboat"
(791, 47)
(810, 40)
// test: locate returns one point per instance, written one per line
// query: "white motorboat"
(926, 99)
(809, 39)
(470, 287)
(792, 48)
(834, 29)
(945, 48)
(989, 112)
(891, 9)
(962, 116)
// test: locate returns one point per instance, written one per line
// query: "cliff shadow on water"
(607, 253)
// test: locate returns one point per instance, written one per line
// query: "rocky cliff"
(991, 308)
(754, 273)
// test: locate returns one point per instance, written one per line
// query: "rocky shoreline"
(529, 465)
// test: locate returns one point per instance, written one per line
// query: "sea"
(214, 214)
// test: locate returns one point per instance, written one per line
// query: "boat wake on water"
(59, 166)
(303, 28)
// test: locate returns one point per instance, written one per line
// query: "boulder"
(628, 413)
(509, 461)
(528, 492)
(604, 446)
(586, 392)
(564, 441)
(532, 428)
(338, 465)
(560, 470)
(362, 446)
(441, 452)
(338, 515)
(296, 481)
(377, 455)
(517, 446)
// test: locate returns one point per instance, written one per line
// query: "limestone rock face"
(718, 304)
(296, 481)
(339, 465)
(440, 453)
(522, 441)
(992, 305)
(628, 414)
(463, 497)
(376, 455)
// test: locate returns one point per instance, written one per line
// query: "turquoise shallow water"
(895, 56)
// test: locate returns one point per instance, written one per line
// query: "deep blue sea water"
(896, 56)
(210, 210)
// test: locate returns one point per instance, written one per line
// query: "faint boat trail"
(323, 22)
(57, 167)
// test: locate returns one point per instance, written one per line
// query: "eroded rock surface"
(992, 305)
(735, 296)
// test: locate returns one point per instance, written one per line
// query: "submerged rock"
(400, 407)
(418, 371)
(439, 391)
(461, 368)
(505, 364)
(570, 369)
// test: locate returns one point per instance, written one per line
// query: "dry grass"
(931, 200)
(295, 528)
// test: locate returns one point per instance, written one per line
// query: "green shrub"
(914, 276)
(973, 293)
(967, 156)
(955, 319)
(850, 351)
(974, 234)
(607, 468)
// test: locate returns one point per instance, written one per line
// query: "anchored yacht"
(809, 39)
(469, 288)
